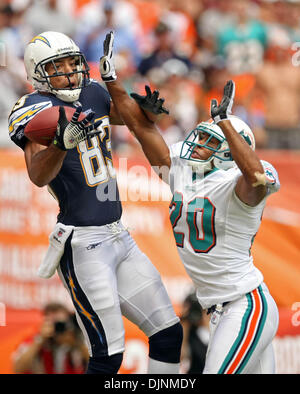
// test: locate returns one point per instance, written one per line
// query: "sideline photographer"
(195, 323)
(58, 348)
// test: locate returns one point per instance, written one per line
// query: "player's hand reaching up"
(107, 67)
(150, 102)
(69, 134)
(222, 111)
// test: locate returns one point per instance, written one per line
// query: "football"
(42, 128)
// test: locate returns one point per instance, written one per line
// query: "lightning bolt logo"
(83, 311)
(40, 38)
(27, 115)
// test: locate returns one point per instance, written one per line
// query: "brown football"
(42, 128)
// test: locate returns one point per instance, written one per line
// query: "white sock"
(159, 367)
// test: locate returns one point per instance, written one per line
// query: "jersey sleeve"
(273, 184)
(23, 111)
(102, 95)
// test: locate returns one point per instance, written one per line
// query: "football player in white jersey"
(219, 187)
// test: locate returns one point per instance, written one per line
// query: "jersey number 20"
(200, 219)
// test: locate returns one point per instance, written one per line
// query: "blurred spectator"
(195, 323)
(51, 15)
(267, 12)
(124, 15)
(247, 106)
(285, 16)
(170, 129)
(91, 41)
(57, 349)
(183, 31)
(213, 19)
(164, 50)
(182, 92)
(278, 82)
(185, 49)
(282, 18)
(99, 17)
(215, 75)
(20, 32)
(292, 20)
(242, 43)
(12, 71)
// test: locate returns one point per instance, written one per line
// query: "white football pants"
(108, 276)
(241, 335)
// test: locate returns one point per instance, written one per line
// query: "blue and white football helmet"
(221, 157)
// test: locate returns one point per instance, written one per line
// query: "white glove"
(107, 67)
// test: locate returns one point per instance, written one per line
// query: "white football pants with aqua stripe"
(241, 335)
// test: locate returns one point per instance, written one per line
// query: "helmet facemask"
(219, 150)
(221, 156)
(69, 93)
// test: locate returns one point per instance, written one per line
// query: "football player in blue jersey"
(104, 271)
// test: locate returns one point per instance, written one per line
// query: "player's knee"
(165, 345)
(105, 365)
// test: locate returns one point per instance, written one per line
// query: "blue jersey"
(85, 187)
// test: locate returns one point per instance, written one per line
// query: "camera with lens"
(193, 311)
(61, 327)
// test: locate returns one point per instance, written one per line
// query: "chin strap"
(69, 96)
(202, 167)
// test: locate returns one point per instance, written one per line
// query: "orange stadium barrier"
(27, 216)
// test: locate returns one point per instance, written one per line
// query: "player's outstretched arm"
(153, 145)
(251, 187)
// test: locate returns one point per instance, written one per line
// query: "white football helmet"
(49, 47)
(221, 157)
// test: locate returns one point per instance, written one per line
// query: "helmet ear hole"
(41, 72)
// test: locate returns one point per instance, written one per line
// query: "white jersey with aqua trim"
(214, 230)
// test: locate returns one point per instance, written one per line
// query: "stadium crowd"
(186, 49)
